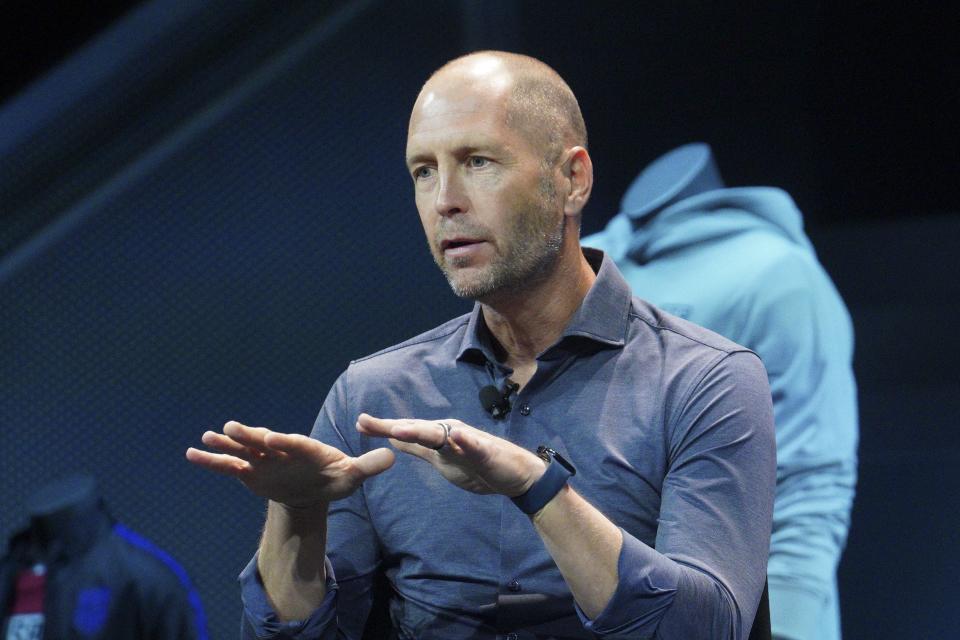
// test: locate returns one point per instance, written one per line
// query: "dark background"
(204, 215)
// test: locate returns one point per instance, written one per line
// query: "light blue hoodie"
(738, 262)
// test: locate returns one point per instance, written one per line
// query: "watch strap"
(548, 485)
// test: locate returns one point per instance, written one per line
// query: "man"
(664, 528)
(736, 260)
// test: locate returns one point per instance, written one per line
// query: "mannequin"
(74, 572)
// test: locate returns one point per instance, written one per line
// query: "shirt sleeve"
(259, 620)
(352, 552)
(705, 575)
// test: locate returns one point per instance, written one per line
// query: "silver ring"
(446, 434)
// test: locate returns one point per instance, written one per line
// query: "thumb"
(373, 462)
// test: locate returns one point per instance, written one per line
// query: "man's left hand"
(468, 457)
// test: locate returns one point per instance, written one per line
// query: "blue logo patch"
(93, 604)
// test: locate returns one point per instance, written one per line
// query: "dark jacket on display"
(102, 580)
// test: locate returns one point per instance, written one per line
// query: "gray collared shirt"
(670, 429)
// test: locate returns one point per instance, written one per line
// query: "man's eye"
(477, 162)
(421, 172)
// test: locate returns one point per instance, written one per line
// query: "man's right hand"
(291, 469)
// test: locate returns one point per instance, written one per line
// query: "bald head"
(537, 102)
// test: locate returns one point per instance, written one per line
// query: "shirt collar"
(601, 317)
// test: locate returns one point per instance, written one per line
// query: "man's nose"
(451, 196)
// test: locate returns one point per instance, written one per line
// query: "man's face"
(487, 203)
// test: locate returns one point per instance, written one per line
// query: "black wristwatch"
(559, 471)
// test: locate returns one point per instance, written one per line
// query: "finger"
(424, 453)
(377, 427)
(293, 443)
(218, 462)
(470, 445)
(373, 462)
(428, 433)
(247, 436)
(226, 444)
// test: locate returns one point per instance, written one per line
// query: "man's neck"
(526, 323)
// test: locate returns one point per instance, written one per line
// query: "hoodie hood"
(680, 200)
(67, 517)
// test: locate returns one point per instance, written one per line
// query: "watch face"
(549, 455)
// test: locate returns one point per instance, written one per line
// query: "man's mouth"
(459, 245)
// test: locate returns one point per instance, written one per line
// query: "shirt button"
(524, 409)
(512, 636)
(513, 585)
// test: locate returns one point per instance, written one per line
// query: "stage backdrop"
(204, 215)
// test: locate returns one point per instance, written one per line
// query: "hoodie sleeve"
(799, 326)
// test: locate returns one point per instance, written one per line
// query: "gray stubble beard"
(524, 265)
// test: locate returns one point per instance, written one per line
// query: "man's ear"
(578, 176)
